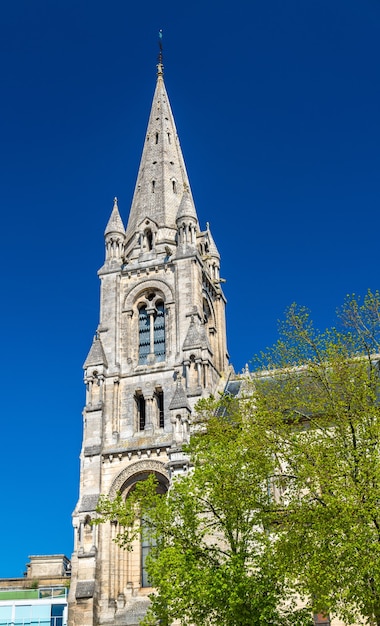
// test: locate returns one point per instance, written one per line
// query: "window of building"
(141, 412)
(152, 331)
(159, 332)
(144, 335)
(159, 396)
(149, 239)
(57, 611)
(147, 543)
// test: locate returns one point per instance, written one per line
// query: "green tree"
(316, 408)
(284, 490)
(211, 560)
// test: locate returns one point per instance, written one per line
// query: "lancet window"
(152, 331)
(159, 397)
(140, 411)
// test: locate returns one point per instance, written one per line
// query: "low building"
(40, 597)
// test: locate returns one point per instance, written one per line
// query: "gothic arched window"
(144, 335)
(159, 397)
(152, 331)
(159, 332)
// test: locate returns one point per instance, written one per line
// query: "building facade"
(160, 346)
(40, 597)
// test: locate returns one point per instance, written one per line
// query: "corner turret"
(114, 235)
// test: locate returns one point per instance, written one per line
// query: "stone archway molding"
(134, 470)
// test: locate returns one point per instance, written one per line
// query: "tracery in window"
(152, 331)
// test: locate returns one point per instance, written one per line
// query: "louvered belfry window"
(152, 333)
(159, 332)
(144, 335)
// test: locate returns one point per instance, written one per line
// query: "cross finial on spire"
(160, 66)
(115, 202)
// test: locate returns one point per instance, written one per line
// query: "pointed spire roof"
(162, 174)
(179, 400)
(96, 355)
(186, 207)
(196, 336)
(213, 250)
(115, 224)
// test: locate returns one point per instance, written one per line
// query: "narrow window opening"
(153, 185)
(144, 335)
(147, 543)
(152, 340)
(140, 400)
(156, 137)
(159, 333)
(169, 138)
(174, 185)
(160, 408)
(149, 239)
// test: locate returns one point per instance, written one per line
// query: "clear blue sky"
(277, 109)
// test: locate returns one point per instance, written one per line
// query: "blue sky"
(277, 108)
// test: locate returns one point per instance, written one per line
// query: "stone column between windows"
(151, 313)
(89, 392)
(129, 335)
(149, 413)
(115, 407)
(101, 389)
(199, 372)
(187, 373)
(205, 373)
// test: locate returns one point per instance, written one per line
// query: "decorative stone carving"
(137, 468)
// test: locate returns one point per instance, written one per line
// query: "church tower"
(160, 346)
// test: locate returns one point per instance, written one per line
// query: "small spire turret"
(114, 235)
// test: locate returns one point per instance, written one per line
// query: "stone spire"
(186, 207)
(213, 250)
(115, 224)
(162, 176)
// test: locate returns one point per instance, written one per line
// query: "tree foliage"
(284, 491)
(317, 409)
(211, 562)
